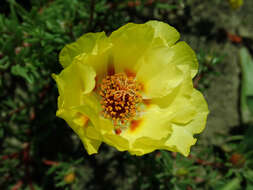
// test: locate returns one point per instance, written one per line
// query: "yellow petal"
(88, 43)
(146, 145)
(99, 59)
(81, 126)
(171, 127)
(189, 118)
(157, 73)
(119, 142)
(184, 57)
(183, 90)
(180, 140)
(161, 69)
(164, 33)
(152, 123)
(181, 106)
(104, 128)
(73, 82)
(129, 44)
(91, 146)
(198, 123)
(92, 109)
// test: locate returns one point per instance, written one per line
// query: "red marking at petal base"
(110, 69)
(118, 131)
(85, 120)
(147, 102)
(130, 73)
(96, 83)
(135, 124)
(142, 87)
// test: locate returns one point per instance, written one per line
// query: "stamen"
(120, 96)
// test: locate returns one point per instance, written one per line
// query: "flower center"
(120, 96)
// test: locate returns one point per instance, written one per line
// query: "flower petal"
(79, 123)
(184, 57)
(198, 124)
(164, 33)
(102, 124)
(187, 122)
(129, 44)
(181, 106)
(153, 124)
(172, 127)
(119, 142)
(73, 82)
(146, 145)
(157, 73)
(180, 140)
(88, 43)
(183, 90)
(105, 128)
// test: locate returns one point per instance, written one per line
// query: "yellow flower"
(69, 178)
(132, 90)
(235, 4)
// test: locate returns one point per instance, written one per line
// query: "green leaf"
(4, 63)
(248, 174)
(22, 72)
(247, 85)
(166, 6)
(249, 186)
(232, 185)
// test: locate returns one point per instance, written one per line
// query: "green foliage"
(207, 63)
(39, 151)
(247, 85)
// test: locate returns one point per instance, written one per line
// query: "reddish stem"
(50, 163)
(18, 185)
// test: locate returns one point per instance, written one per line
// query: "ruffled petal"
(184, 57)
(104, 127)
(88, 43)
(73, 82)
(98, 59)
(129, 43)
(83, 128)
(152, 123)
(146, 145)
(157, 73)
(143, 135)
(171, 127)
(181, 106)
(164, 33)
(182, 91)
(180, 140)
(198, 123)
(189, 118)
(162, 69)
(119, 142)
(101, 124)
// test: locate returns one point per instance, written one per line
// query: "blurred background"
(38, 151)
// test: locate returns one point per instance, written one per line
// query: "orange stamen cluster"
(120, 96)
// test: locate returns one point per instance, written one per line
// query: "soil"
(224, 91)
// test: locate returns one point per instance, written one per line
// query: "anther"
(120, 97)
